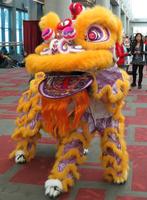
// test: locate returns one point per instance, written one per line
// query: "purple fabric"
(21, 114)
(103, 123)
(113, 154)
(104, 77)
(25, 98)
(70, 176)
(32, 124)
(35, 120)
(74, 144)
(108, 77)
(99, 124)
(90, 120)
(29, 146)
(115, 140)
(64, 163)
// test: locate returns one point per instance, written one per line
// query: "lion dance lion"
(77, 91)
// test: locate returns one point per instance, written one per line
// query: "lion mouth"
(61, 47)
(59, 85)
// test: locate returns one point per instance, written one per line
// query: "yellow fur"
(84, 61)
(41, 47)
(49, 21)
(29, 106)
(97, 55)
(122, 87)
(94, 16)
(111, 173)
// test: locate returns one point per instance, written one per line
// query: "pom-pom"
(76, 9)
(48, 34)
(63, 24)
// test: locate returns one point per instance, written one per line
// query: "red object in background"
(32, 36)
(120, 54)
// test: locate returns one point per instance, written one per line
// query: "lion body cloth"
(77, 91)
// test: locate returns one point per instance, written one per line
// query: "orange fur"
(57, 117)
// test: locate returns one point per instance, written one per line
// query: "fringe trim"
(107, 92)
(28, 146)
(114, 102)
(114, 171)
(28, 108)
(70, 168)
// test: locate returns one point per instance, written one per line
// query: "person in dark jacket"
(145, 43)
(138, 52)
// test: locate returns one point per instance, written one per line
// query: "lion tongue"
(66, 83)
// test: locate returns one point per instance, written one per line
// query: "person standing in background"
(127, 43)
(145, 43)
(138, 61)
(121, 53)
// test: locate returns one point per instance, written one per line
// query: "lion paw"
(53, 187)
(20, 157)
(121, 180)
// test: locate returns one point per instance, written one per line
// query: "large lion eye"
(97, 34)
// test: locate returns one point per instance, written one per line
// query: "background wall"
(138, 26)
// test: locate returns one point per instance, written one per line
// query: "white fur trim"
(53, 187)
(20, 157)
(86, 151)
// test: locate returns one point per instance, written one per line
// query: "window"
(20, 16)
(5, 26)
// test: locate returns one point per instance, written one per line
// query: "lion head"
(94, 35)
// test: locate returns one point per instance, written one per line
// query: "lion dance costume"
(77, 90)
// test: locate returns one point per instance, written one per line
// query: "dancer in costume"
(78, 90)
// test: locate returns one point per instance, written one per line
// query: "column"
(123, 18)
(32, 10)
(60, 7)
(131, 28)
(105, 3)
(117, 10)
(13, 22)
(127, 25)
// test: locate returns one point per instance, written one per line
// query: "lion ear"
(119, 30)
(49, 21)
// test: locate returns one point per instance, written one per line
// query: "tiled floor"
(21, 182)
